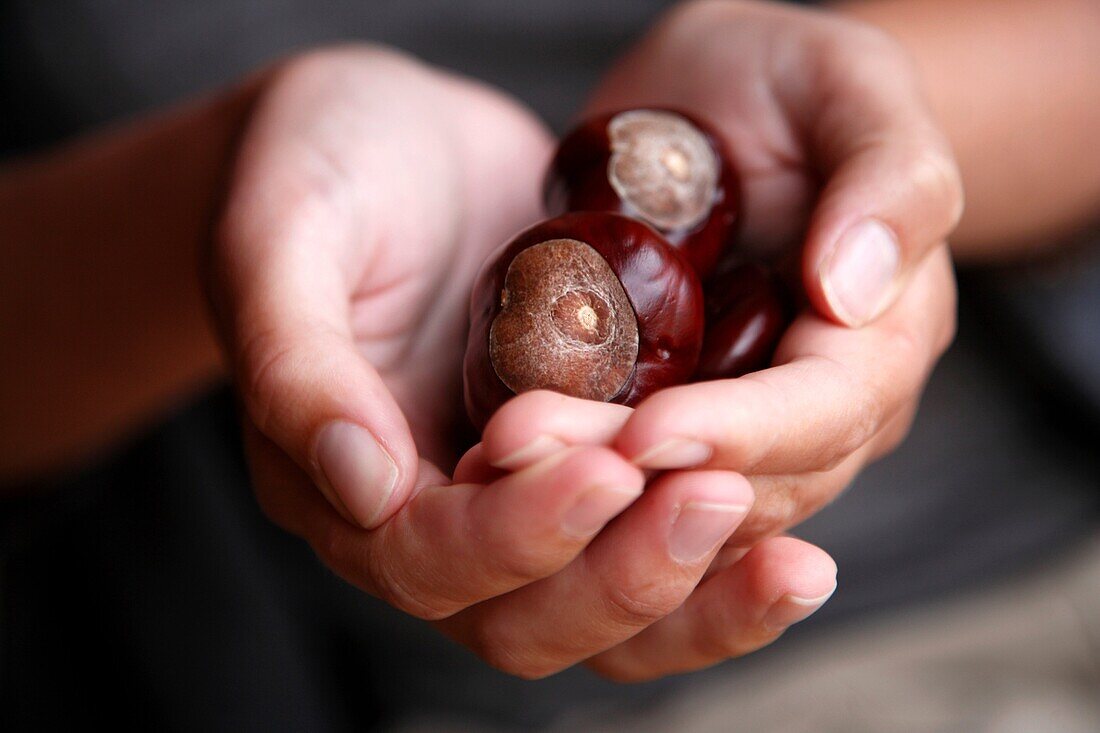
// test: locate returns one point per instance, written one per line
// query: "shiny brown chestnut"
(590, 304)
(658, 165)
(747, 311)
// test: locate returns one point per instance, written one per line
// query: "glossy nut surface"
(658, 165)
(593, 305)
(747, 313)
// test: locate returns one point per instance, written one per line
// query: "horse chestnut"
(747, 312)
(593, 305)
(657, 165)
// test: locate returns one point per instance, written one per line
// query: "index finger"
(892, 189)
(832, 391)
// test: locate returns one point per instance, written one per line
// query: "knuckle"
(265, 360)
(349, 562)
(521, 559)
(495, 647)
(869, 402)
(905, 346)
(775, 509)
(397, 588)
(893, 439)
(850, 444)
(641, 604)
(867, 417)
(912, 356)
(865, 420)
(718, 646)
(895, 434)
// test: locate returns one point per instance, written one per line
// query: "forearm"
(1016, 85)
(102, 313)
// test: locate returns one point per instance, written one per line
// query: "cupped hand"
(368, 191)
(837, 399)
(837, 151)
(840, 161)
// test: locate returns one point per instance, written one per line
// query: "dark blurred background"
(147, 590)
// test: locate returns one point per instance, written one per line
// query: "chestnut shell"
(747, 311)
(578, 180)
(659, 283)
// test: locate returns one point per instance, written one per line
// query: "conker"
(747, 311)
(658, 165)
(590, 304)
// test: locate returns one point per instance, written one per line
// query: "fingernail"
(595, 508)
(701, 526)
(858, 275)
(791, 609)
(675, 453)
(360, 474)
(539, 448)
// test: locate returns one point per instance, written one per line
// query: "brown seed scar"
(565, 323)
(662, 166)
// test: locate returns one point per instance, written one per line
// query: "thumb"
(283, 308)
(892, 194)
(308, 389)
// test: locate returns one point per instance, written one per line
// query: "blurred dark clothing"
(148, 590)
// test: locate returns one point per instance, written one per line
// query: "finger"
(785, 501)
(305, 385)
(288, 497)
(835, 387)
(281, 282)
(893, 433)
(635, 572)
(892, 189)
(452, 546)
(534, 425)
(736, 611)
(472, 468)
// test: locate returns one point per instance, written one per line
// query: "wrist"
(101, 291)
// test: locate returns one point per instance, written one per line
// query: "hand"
(839, 155)
(369, 190)
(800, 97)
(828, 128)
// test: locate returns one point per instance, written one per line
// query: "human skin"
(828, 123)
(1014, 84)
(838, 396)
(363, 203)
(138, 318)
(863, 134)
(101, 304)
